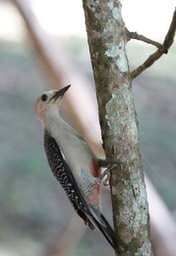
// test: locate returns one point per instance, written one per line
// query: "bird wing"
(64, 175)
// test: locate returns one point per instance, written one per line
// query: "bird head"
(49, 102)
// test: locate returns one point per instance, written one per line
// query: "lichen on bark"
(107, 39)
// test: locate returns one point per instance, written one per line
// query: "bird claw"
(106, 181)
(107, 174)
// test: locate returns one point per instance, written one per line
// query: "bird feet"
(107, 174)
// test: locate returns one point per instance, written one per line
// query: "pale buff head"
(49, 102)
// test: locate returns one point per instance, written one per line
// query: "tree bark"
(107, 39)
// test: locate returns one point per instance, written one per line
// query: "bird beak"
(60, 93)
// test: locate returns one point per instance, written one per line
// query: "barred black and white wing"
(64, 175)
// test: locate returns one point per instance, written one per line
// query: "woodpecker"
(73, 163)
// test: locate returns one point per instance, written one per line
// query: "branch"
(107, 37)
(162, 48)
(135, 35)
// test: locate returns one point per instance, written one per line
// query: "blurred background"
(49, 52)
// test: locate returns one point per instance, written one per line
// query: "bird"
(73, 163)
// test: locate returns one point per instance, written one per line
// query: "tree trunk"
(107, 38)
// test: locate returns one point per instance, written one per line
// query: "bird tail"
(102, 224)
(108, 233)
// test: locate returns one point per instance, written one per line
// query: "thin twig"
(135, 35)
(169, 39)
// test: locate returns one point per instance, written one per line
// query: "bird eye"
(44, 97)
